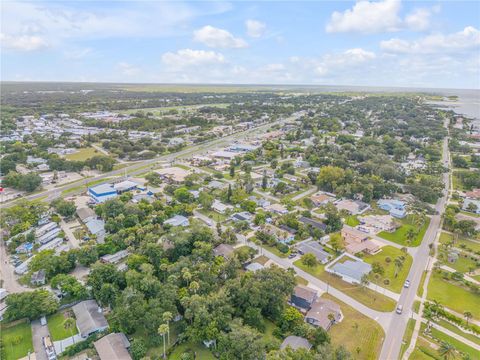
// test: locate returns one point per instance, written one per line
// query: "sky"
(434, 44)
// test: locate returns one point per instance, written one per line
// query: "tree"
(183, 195)
(467, 315)
(232, 169)
(167, 317)
(364, 281)
(69, 324)
(65, 208)
(330, 177)
(31, 304)
(309, 260)
(242, 343)
(138, 349)
(163, 330)
(447, 350)
(264, 181)
(205, 199)
(398, 262)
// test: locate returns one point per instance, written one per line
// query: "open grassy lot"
(215, 216)
(464, 264)
(399, 236)
(199, 349)
(16, 340)
(458, 331)
(422, 281)
(446, 238)
(452, 296)
(55, 326)
(275, 251)
(368, 297)
(424, 350)
(83, 154)
(162, 110)
(356, 331)
(438, 337)
(407, 337)
(395, 282)
(352, 220)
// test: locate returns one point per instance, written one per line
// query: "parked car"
(399, 309)
(292, 255)
(406, 284)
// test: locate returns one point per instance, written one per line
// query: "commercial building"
(102, 192)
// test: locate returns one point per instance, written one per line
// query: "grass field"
(275, 251)
(16, 340)
(442, 337)
(473, 245)
(162, 110)
(56, 328)
(407, 337)
(213, 215)
(83, 154)
(399, 236)
(367, 336)
(453, 297)
(352, 221)
(463, 264)
(422, 281)
(396, 283)
(424, 351)
(368, 297)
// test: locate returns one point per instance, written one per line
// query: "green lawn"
(458, 331)
(352, 221)
(55, 326)
(16, 340)
(442, 337)
(81, 185)
(215, 216)
(422, 281)
(407, 337)
(368, 297)
(83, 154)
(356, 331)
(275, 251)
(399, 236)
(199, 349)
(424, 351)
(453, 297)
(469, 244)
(464, 263)
(396, 283)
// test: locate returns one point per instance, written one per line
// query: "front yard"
(368, 297)
(361, 335)
(395, 283)
(16, 340)
(399, 236)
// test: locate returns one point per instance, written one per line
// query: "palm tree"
(447, 350)
(167, 317)
(398, 265)
(163, 330)
(410, 235)
(194, 286)
(331, 317)
(69, 324)
(364, 281)
(186, 275)
(467, 315)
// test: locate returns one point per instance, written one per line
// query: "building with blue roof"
(102, 192)
(396, 208)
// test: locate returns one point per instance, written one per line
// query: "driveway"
(39, 331)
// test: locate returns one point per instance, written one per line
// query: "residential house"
(90, 318)
(177, 220)
(357, 241)
(376, 223)
(471, 205)
(173, 175)
(313, 223)
(113, 346)
(313, 247)
(353, 207)
(38, 278)
(280, 235)
(396, 208)
(242, 216)
(322, 198)
(220, 207)
(474, 194)
(324, 313)
(254, 267)
(295, 343)
(97, 227)
(85, 214)
(303, 297)
(277, 209)
(114, 258)
(351, 270)
(216, 185)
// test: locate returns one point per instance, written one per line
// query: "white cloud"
(218, 38)
(418, 19)
(77, 54)
(128, 69)
(23, 42)
(366, 17)
(255, 28)
(188, 57)
(468, 38)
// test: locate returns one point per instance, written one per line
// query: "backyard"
(356, 332)
(16, 340)
(399, 236)
(56, 326)
(390, 252)
(368, 297)
(453, 297)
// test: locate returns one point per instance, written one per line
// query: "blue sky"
(377, 43)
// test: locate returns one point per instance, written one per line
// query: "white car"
(406, 284)
(399, 309)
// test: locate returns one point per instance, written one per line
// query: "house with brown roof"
(357, 241)
(324, 313)
(113, 346)
(474, 194)
(224, 250)
(321, 198)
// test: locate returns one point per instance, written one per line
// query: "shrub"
(388, 260)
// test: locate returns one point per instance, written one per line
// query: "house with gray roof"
(351, 270)
(295, 342)
(97, 227)
(324, 313)
(113, 346)
(89, 317)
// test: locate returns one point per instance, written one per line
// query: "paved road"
(7, 274)
(393, 340)
(39, 331)
(142, 166)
